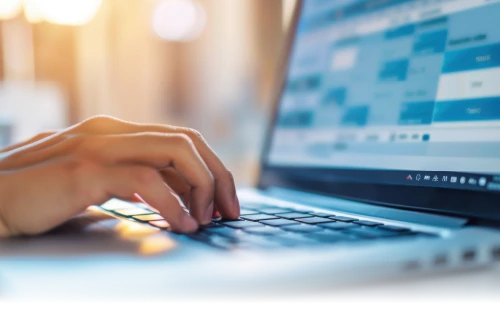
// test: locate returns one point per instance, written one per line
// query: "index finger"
(160, 151)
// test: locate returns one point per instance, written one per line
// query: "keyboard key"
(293, 215)
(302, 228)
(256, 206)
(322, 214)
(211, 225)
(275, 210)
(252, 241)
(338, 225)
(394, 228)
(368, 223)
(329, 236)
(294, 240)
(146, 206)
(228, 220)
(258, 217)
(200, 236)
(344, 219)
(133, 212)
(148, 217)
(116, 204)
(372, 233)
(226, 232)
(248, 211)
(162, 224)
(242, 224)
(220, 242)
(279, 222)
(314, 220)
(267, 231)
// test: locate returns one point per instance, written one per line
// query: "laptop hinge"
(378, 211)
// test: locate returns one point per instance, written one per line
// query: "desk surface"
(479, 286)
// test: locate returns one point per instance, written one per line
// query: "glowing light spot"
(32, 12)
(178, 20)
(65, 12)
(10, 8)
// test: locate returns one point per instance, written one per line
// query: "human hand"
(55, 176)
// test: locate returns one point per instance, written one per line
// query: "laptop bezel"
(475, 205)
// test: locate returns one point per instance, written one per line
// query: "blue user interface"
(393, 85)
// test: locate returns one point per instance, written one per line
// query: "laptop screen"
(394, 91)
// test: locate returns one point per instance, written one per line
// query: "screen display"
(408, 88)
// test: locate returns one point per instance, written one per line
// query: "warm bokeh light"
(32, 12)
(66, 12)
(10, 8)
(178, 20)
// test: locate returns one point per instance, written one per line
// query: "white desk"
(481, 286)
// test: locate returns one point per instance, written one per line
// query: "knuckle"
(182, 140)
(193, 134)
(97, 123)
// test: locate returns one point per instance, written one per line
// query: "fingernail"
(216, 216)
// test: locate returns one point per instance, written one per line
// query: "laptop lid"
(393, 102)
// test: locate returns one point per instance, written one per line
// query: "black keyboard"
(267, 227)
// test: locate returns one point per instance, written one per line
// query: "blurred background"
(206, 64)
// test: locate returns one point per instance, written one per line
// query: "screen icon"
(453, 179)
(435, 179)
(418, 177)
(472, 181)
(462, 180)
(445, 178)
(427, 178)
(482, 182)
(409, 177)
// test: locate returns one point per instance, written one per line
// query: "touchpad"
(92, 233)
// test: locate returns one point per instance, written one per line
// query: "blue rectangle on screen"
(394, 70)
(294, 119)
(403, 31)
(335, 97)
(472, 58)
(416, 113)
(430, 42)
(468, 110)
(303, 84)
(433, 22)
(355, 117)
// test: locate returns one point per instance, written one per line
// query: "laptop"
(382, 161)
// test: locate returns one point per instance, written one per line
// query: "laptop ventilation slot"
(412, 267)
(495, 253)
(469, 255)
(440, 260)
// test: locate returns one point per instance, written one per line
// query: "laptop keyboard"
(266, 226)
